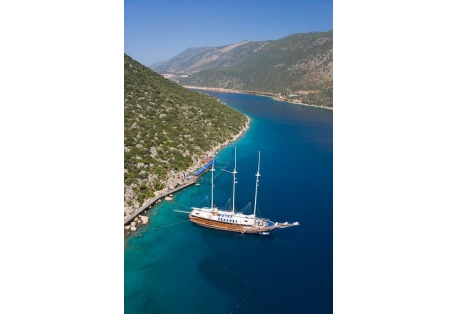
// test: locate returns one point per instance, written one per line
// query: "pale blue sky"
(158, 30)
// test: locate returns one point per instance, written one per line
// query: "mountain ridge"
(298, 67)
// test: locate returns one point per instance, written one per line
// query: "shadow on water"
(225, 279)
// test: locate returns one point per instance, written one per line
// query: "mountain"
(168, 127)
(295, 67)
(198, 59)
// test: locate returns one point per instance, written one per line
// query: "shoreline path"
(152, 201)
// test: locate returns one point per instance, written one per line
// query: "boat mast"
(257, 183)
(212, 170)
(233, 186)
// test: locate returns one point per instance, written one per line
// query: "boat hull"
(228, 226)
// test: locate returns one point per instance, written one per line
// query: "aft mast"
(233, 185)
(257, 183)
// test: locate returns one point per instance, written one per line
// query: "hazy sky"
(158, 30)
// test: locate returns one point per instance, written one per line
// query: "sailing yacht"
(229, 220)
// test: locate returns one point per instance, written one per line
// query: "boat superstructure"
(229, 220)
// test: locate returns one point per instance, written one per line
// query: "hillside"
(297, 67)
(167, 127)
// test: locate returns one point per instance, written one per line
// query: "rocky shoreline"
(271, 95)
(137, 223)
(173, 180)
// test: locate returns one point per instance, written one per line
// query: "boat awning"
(205, 167)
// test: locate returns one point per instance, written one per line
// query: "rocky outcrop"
(144, 219)
(153, 152)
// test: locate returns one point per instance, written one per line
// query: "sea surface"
(175, 266)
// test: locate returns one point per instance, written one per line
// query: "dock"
(151, 202)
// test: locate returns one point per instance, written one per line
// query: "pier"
(151, 202)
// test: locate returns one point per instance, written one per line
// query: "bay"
(174, 266)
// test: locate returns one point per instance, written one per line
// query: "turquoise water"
(174, 266)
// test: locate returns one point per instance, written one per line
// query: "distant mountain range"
(297, 67)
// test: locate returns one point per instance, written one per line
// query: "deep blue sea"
(175, 266)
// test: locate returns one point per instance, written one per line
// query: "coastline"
(225, 90)
(136, 216)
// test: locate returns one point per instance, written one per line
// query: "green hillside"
(299, 65)
(167, 127)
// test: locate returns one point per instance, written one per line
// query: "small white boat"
(264, 233)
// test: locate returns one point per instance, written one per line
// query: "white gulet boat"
(229, 220)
